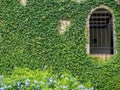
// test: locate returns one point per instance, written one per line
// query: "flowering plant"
(26, 79)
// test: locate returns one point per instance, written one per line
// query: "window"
(101, 32)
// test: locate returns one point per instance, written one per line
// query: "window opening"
(101, 32)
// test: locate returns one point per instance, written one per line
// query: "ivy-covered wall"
(29, 37)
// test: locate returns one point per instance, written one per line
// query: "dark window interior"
(101, 32)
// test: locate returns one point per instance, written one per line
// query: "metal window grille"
(101, 32)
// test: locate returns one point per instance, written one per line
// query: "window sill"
(102, 56)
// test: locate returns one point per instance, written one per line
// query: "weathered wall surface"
(29, 37)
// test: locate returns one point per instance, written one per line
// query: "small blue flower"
(81, 87)
(51, 79)
(48, 84)
(27, 83)
(64, 87)
(18, 83)
(2, 88)
(38, 88)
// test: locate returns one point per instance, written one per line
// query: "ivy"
(29, 37)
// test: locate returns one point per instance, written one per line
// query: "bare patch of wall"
(64, 25)
(23, 2)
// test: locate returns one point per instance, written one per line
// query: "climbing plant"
(29, 38)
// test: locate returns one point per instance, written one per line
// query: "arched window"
(101, 32)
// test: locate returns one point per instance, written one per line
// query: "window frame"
(103, 56)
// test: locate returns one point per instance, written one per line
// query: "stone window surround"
(102, 56)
